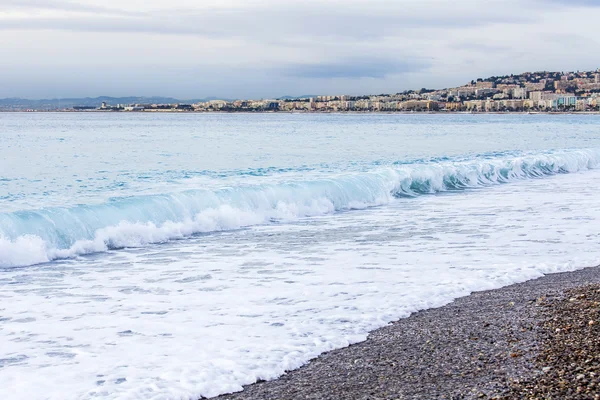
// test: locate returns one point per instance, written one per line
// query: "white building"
(519, 93)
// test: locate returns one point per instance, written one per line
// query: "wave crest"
(33, 237)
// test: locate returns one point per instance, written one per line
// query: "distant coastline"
(351, 112)
(542, 91)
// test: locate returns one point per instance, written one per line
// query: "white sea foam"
(24, 250)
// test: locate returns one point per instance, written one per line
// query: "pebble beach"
(533, 340)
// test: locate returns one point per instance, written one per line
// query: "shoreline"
(307, 112)
(479, 346)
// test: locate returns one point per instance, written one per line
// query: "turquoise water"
(177, 256)
(66, 177)
(59, 159)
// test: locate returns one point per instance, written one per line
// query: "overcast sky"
(265, 48)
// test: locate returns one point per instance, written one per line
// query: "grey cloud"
(479, 47)
(61, 5)
(574, 3)
(103, 25)
(283, 47)
(354, 68)
(277, 21)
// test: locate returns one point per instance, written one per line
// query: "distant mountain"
(304, 96)
(51, 104)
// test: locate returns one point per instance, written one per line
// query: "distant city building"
(535, 96)
(519, 93)
(133, 108)
(484, 85)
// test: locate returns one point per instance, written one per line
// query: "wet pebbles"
(569, 357)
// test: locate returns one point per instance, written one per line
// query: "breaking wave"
(38, 236)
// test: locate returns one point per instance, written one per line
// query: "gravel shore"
(537, 339)
(569, 356)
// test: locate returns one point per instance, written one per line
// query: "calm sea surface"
(162, 256)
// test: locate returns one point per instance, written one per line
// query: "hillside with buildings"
(530, 91)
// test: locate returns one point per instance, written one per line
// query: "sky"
(191, 49)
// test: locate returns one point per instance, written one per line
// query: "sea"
(175, 256)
